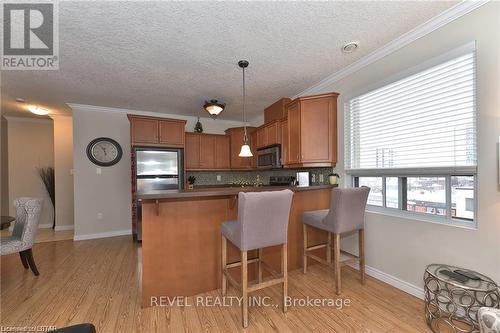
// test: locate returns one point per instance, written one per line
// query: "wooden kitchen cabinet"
(293, 123)
(144, 130)
(156, 131)
(172, 132)
(312, 131)
(222, 152)
(236, 140)
(276, 111)
(268, 135)
(192, 151)
(253, 148)
(207, 152)
(284, 140)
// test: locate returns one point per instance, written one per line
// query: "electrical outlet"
(98, 171)
(321, 178)
(99, 216)
(219, 178)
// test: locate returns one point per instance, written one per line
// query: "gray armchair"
(489, 320)
(21, 241)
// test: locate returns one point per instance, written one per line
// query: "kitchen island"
(181, 240)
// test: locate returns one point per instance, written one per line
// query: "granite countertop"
(222, 191)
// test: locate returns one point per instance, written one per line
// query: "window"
(413, 141)
(391, 192)
(462, 197)
(375, 184)
(426, 195)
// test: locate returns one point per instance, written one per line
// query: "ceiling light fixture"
(245, 148)
(20, 100)
(214, 107)
(350, 47)
(38, 110)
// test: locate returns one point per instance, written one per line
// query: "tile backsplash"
(251, 177)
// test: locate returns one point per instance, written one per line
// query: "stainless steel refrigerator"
(156, 170)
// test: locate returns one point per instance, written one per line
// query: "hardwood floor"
(46, 235)
(98, 281)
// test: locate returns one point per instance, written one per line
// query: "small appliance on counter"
(281, 180)
(303, 178)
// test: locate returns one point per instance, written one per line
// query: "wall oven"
(269, 158)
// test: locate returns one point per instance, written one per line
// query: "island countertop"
(181, 238)
(223, 191)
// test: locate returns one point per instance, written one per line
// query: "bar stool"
(262, 222)
(346, 214)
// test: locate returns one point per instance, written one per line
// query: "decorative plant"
(191, 180)
(48, 179)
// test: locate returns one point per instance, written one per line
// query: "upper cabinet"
(222, 152)
(172, 132)
(312, 131)
(283, 124)
(269, 134)
(236, 140)
(157, 132)
(207, 152)
(276, 111)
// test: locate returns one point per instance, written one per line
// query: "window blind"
(424, 121)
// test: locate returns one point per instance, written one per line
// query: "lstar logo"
(30, 36)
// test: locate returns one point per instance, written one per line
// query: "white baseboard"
(103, 234)
(393, 281)
(64, 227)
(45, 226)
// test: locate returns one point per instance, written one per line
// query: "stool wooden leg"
(329, 249)
(336, 246)
(361, 240)
(284, 270)
(244, 289)
(304, 255)
(260, 265)
(224, 263)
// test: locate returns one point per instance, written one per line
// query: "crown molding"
(95, 108)
(422, 30)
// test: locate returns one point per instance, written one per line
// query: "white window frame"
(417, 172)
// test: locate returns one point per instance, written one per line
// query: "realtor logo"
(30, 36)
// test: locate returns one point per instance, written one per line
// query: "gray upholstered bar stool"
(262, 222)
(346, 214)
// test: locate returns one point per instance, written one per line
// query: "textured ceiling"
(171, 56)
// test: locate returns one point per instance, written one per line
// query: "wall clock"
(104, 152)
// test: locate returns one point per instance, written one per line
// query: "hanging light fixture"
(245, 148)
(214, 107)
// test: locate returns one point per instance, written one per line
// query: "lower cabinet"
(207, 152)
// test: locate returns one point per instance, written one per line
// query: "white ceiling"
(171, 56)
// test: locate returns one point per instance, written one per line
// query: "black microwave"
(269, 158)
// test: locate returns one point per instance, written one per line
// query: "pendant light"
(245, 148)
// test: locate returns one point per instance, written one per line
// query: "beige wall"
(403, 247)
(63, 165)
(4, 173)
(109, 193)
(30, 145)
(102, 201)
